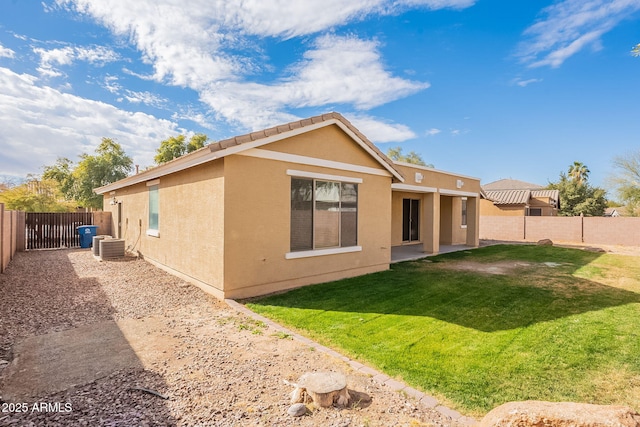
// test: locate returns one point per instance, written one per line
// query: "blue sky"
(486, 88)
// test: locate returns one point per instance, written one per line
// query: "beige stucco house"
(302, 203)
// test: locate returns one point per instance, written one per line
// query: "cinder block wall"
(565, 229)
(612, 231)
(11, 235)
(502, 227)
(588, 230)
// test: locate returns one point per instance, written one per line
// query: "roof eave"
(241, 143)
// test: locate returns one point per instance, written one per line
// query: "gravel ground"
(227, 369)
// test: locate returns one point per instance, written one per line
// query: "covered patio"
(416, 251)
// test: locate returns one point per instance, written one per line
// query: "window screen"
(324, 214)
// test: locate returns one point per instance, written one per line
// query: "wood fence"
(55, 230)
(58, 230)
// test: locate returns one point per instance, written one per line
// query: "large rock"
(545, 242)
(564, 414)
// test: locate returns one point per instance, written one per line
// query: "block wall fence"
(12, 238)
(623, 231)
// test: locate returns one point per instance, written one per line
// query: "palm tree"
(579, 172)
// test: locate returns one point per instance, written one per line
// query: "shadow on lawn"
(485, 302)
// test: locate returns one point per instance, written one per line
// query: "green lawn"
(483, 327)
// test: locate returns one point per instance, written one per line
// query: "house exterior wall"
(543, 203)
(258, 214)
(446, 220)
(487, 208)
(191, 232)
(456, 232)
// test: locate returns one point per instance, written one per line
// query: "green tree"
(579, 172)
(36, 195)
(395, 154)
(579, 198)
(626, 181)
(177, 146)
(62, 173)
(109, 164)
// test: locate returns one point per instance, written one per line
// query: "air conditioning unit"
(95, 248)
(111, 248)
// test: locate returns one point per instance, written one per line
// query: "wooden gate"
(55, 230)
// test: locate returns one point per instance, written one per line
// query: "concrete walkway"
(422, 398)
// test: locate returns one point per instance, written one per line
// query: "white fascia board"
(427, 168)
(458, 193)
(312, 161)
(413, 188)
(368, 149)
(194, 159)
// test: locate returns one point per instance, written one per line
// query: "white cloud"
(379, 131)
(146, 98)
(433, 131)
(339, 70)
(569, 27)
(49, 58)
(439, 4)
(206, 54)
(40, 124)
(5, 52)
(524, 83)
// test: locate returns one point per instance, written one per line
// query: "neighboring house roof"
(520, 197)
(614, 212)
(509, 197)
(247, 141)
(510, 184)
(552, 194)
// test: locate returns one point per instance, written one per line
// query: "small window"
(154, 211)
(464, 212)
(535, 211)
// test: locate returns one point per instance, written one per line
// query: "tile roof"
(509, 197)
(520, 197)
(511, 184)
(552, 194)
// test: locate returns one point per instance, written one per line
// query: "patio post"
(430, 233)
(473, 222)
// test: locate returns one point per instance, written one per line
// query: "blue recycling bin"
(86, 233)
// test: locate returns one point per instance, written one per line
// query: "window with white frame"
(324, 214)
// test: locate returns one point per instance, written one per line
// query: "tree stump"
(323, 388)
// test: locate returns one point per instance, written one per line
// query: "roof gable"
(251, 140)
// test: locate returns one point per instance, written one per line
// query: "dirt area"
(122, 343)
(499, 267)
